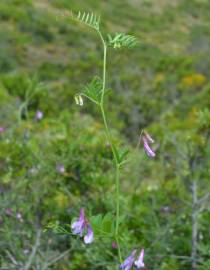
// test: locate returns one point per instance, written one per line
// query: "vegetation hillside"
(54, 155)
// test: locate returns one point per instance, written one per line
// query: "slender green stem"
(104, 67)
(114, 150)
(117, 198)
(108, 133)
(118, 210)
(104, 74)
(118, 248)
(109, 136)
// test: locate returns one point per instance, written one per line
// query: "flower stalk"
(113, 147)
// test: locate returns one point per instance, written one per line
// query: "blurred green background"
(161, 85)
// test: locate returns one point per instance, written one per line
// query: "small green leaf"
(122, 156)
(56, 228)
(103, 226)
(93, 90)
(96, 220)
(108, 223)
(90, 19)
(120, 40)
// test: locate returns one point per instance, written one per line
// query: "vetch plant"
(96, 91)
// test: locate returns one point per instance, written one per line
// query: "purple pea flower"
(88, 239)
(78, 226)
(140, 261)
(81, 225)
(146, 140)
(39, 115)
(128, 263)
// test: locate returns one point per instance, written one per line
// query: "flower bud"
(78, 100)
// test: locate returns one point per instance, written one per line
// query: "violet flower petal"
(148, 149)
(77, 228)
(79, 225)
(128, 263)
(140, 261)
(89, 237)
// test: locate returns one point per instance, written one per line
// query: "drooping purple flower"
(140, 261)
(89, 237)
(147, 148)
(39, 115)
(79, 225)
(146, 140)
(128, 263)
